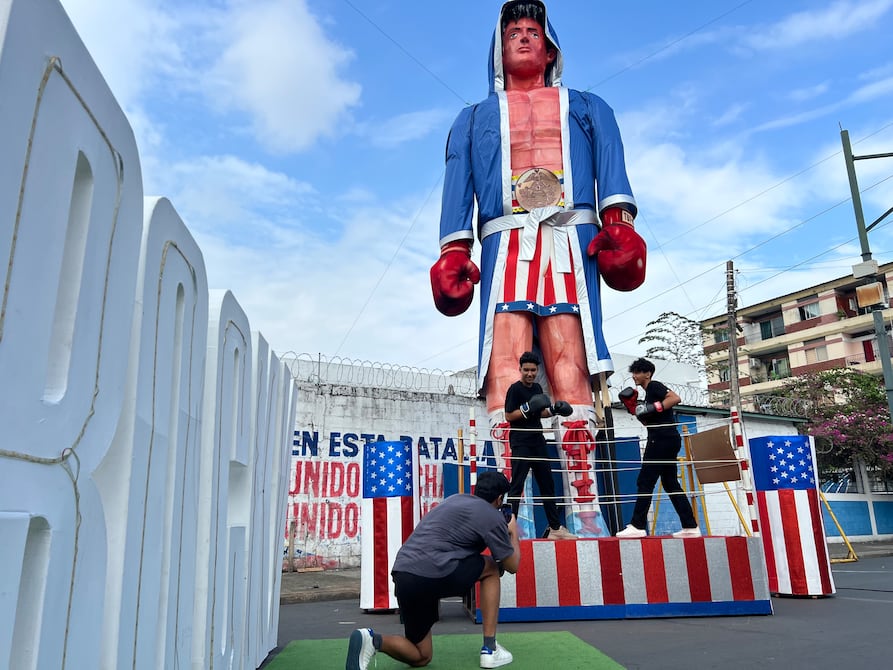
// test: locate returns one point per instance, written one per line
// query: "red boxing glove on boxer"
(619, 251)
(629, 397)
(453, 277)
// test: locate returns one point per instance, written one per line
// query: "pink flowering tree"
(850, 418)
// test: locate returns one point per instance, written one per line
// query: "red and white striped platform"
(633, 579)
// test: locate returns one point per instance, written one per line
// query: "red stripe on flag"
(768, 545)
(696, 564)
(568, 574)
(821, 549)
(380, 567)
(790, 525)
(405, 517)
(525, 578)
(739, 568)
(612, 571)
(511, 265)
(655, 571)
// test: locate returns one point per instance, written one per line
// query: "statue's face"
(525, 49)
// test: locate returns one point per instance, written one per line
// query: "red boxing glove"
(629, 397)
(453, 277)
(619, 251)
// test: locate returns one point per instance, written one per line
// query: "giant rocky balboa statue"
(545, 165)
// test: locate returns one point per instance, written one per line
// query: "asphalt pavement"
(850, 629)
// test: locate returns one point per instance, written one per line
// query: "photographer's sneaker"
(495, 658)
(688, 532)
(631, 532)
(560, 533)
(360, 650)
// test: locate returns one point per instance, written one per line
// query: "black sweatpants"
(542, 473)
(662, 447)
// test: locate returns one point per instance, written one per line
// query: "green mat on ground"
(532, 651)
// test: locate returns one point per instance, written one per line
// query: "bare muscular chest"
(535, 129)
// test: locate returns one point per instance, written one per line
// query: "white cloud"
(836, 21)
(861, 95)
(243, 205)
(278, 66)
(809, 92)
(407, 127)
(730, 115)
(132, 41)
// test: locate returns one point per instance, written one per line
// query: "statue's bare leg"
(512, 336)
(564, 357)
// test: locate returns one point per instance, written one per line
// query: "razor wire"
(337, 370)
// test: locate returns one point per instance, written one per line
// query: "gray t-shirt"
(462, 525)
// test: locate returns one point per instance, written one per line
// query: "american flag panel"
(793, 535)
(610, 578)
(388, 515)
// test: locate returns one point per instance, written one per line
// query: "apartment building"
(816, 328)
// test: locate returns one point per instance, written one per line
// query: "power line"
(669, 44)
(406, 52)
(753, 248)
(390, 262)
(686, 232)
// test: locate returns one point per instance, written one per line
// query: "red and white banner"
(612, 578)
(794, 538)
(386, 523)
(389, 513)
(790, 515)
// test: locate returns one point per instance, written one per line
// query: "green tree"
(673, 337)
(849, 417)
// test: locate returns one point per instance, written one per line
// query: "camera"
(506, 512)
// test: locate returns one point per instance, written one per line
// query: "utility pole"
(732, 321)
(868, 268)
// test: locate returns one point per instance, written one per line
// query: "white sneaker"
(560, 533)
(495, 658)
(688, 532)
(360, 650)
(631, 532)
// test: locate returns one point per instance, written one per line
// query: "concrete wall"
(334, 421)
(143, 459)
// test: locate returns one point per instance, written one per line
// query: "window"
(779, 368)
(720, 335)
(809, 311)
(772, 328)
(724, 374)
(817, 355)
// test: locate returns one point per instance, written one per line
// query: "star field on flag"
(387, 470)
(783, 463)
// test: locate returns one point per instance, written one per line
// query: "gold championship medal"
(538, 187)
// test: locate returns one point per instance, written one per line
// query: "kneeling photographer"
(442, 558)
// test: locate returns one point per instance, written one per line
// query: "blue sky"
(302, 142)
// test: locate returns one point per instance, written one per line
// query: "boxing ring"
(605, 577)
(656, 576)
(651, 577)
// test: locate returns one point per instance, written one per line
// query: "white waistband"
(530, 222)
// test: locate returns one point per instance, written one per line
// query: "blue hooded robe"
(478, 168)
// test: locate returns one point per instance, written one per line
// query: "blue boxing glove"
(535, 406)
(561, 408)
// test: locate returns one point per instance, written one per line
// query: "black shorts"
(419, 597)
